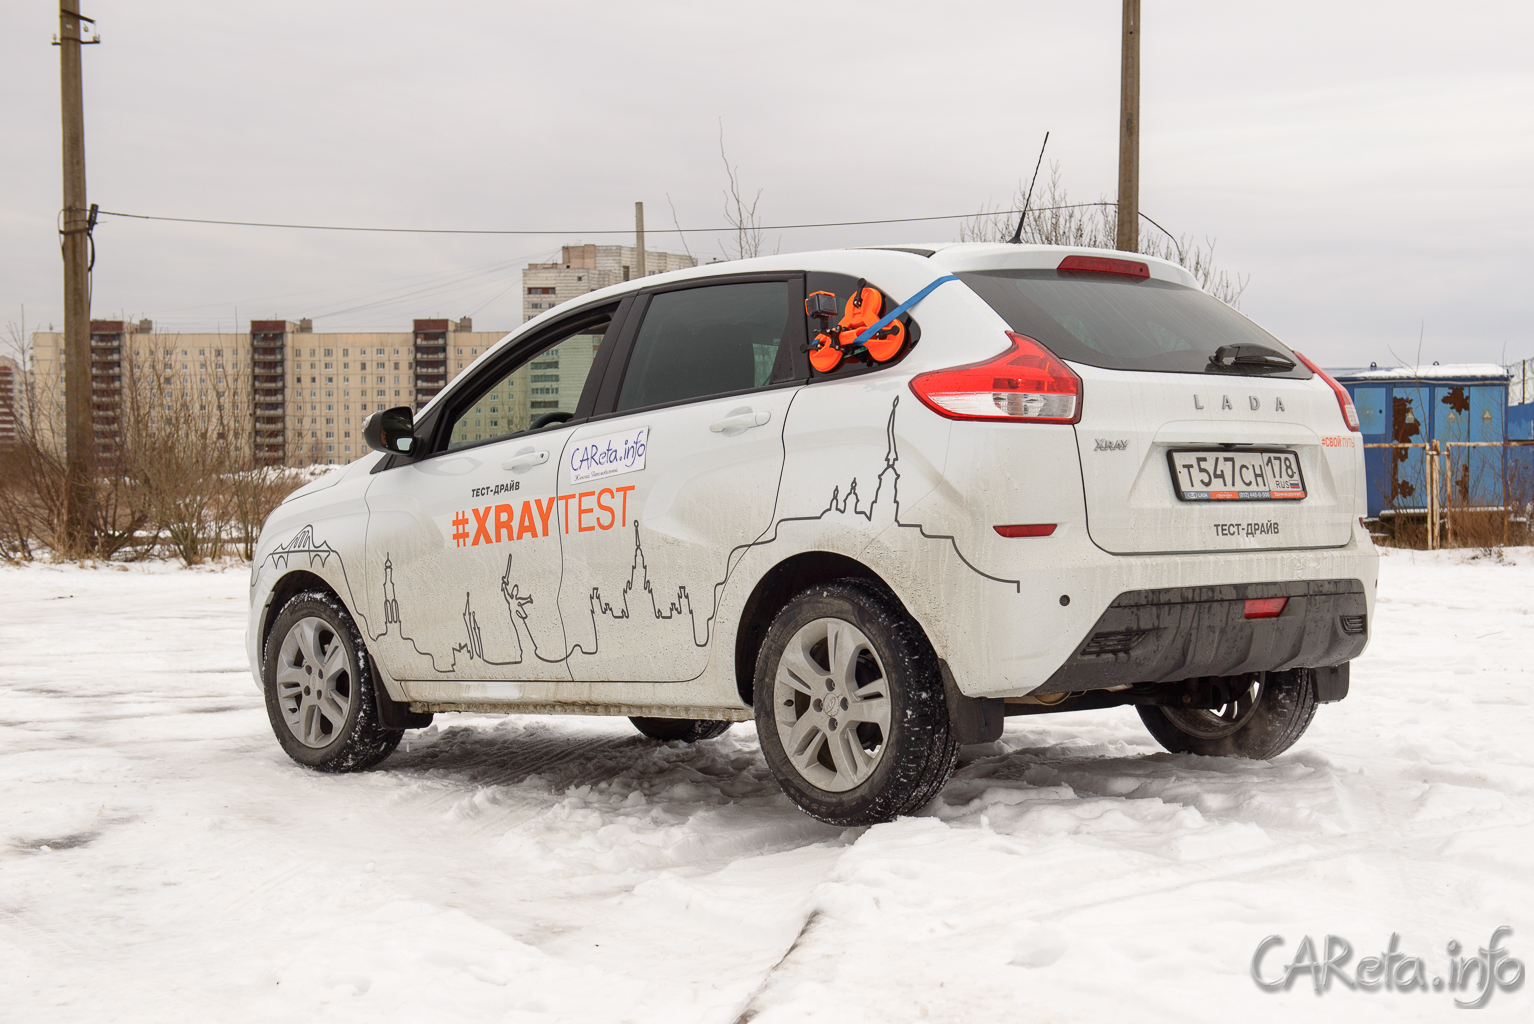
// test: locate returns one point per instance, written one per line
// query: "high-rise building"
(585, 268)
(154, 378)
(300, 397)
(11, 386)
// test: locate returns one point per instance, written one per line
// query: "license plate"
(1244, 475)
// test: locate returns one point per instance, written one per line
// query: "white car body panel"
(857, 467)
(1133, 507)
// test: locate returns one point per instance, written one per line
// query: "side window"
(842, 288)
(711, 340)
(540, 391)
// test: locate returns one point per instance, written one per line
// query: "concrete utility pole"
(79, 437)
(1129, 131)
(639, 234)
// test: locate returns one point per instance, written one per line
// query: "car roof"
(950, 256)
(914, 262)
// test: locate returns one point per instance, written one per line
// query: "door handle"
(526, 460)
(740, 419)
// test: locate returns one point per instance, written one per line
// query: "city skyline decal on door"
(665, 605)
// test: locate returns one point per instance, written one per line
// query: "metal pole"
(1448, 494)
(639, 236)
(1430, 472)
(79, 439)
(1129, 131)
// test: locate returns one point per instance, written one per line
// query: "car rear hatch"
(1199, 431)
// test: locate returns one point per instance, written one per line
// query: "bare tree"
(1053, 219)
(740, 213)
(680, 236)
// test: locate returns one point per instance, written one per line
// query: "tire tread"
(929, 751)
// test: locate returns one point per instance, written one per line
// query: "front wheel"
(1262, 720)
(850, 707)
(319, 688)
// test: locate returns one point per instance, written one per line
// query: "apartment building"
(11, 396)
(300, 396)
(136, 372)
(585, 268)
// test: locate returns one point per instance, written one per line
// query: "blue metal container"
(1415, 405)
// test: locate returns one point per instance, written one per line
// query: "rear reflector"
(1344, 400)
(1105, 265)
(1025, 384)
(1265, 607)
(1029, 530)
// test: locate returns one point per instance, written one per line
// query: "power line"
(604, 231)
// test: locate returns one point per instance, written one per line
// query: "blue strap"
(907, 304)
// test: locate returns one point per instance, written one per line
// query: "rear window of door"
(712, 340)
(1122, 323)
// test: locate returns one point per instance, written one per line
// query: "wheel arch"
(287, 587)
(773, 591)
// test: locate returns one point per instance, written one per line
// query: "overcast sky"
(1369, 166)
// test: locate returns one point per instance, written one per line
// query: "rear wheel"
(850, 708)
(1262, 720)
(319, 688)
(687, 730)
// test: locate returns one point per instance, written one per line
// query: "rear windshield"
(1125, 323)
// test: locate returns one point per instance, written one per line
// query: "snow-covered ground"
(161, 859)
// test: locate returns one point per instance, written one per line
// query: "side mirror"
(391, 430)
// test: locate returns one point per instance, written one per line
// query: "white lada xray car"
(875, 500)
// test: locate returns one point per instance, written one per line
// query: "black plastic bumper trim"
(1157, 636)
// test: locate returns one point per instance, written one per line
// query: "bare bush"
(176, 477)
(248, 497)
(1053, 219)
(20, 509)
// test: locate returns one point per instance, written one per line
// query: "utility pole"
(79, 436)
(1129, 131)
(639, 234)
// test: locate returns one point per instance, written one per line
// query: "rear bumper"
(1164, 635)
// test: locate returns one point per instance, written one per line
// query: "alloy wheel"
(314, 682)
(832, 704)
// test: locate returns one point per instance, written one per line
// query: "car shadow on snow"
(562, 797)
(513, 753)
(1032, 767)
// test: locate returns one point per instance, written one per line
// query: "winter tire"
(687, 730)
(1265, 720)
(850, 707)
(319, 688)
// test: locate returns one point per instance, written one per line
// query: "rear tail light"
(1344, 400)
(1025, 384)
(1265, 607)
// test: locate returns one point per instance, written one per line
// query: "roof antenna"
(1017, 236)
